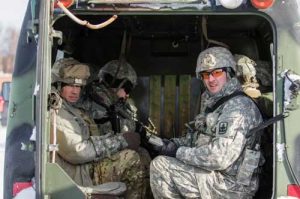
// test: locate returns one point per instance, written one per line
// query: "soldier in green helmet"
(220, 159)
(116, 79)
(107, 100)
(87, 155)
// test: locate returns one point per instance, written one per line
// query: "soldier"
(116, 79)
(88, 157)
(220, 158)
(107, 101)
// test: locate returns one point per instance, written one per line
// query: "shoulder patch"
(223, 127)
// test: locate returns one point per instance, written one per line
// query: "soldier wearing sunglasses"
(220, 158)
(116, 79)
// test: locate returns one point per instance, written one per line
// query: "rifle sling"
(224, 99)
(261, 126)
(266, 124)
(102, 120)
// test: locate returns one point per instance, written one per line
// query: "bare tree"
(8, 39)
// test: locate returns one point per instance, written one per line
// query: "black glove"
(133, 140)
(158, 148)
(169, 149)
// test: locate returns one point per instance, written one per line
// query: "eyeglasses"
(127, 87)
(115, 83)
(215, 73)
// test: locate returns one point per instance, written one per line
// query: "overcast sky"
(12, 12)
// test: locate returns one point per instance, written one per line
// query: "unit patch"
(223, 127)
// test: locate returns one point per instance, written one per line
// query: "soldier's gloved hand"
(158, 148)
(169, 149)
(200, 121)
(133, 140)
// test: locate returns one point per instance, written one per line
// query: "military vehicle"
(161, 39)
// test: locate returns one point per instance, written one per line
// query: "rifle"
(115, 112)
(122, 109)
(148, 132)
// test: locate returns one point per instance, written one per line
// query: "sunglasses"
(127, 87)
(115, 83)
(215, 73)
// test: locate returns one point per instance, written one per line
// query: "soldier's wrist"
(122, 140)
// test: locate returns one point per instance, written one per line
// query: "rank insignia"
(223, 127)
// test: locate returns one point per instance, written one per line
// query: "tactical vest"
(252, 157)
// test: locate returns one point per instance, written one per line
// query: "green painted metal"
(287, 136)
(21, 107)
(43, 80)
(60, 185)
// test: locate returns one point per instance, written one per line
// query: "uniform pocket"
(249, 164)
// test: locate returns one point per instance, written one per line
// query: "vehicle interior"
(163, 50)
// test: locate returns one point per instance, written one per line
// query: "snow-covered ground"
(2, 148)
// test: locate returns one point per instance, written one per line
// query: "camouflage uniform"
(98, 111)
(82, 150)
(99, 97)
(209, 162)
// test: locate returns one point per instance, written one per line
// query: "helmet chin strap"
(110, 86)
(230, 73)
(58, 87)
(122, 83)
(71, 103)
(104, 83)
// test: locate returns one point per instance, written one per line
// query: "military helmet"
(70, 71)
(117, 73)
(213, 58)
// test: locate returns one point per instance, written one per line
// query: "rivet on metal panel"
(14, 110)
(280, 63)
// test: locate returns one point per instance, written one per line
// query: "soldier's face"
(122, 94)
(70, 93)
(214, 80)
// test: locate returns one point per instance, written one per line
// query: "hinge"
(57, 34)
(32, 28)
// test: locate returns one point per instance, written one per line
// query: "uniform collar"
(230, 87)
